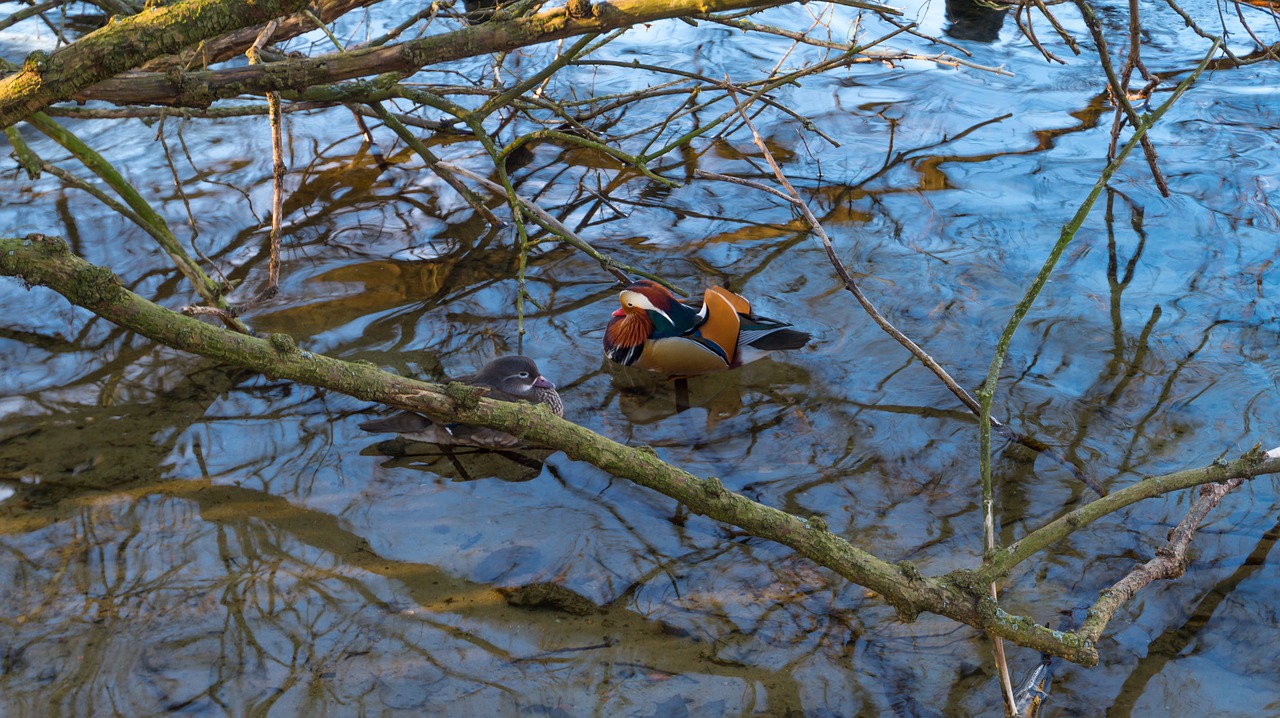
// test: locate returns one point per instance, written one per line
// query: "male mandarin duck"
(508, 378)
(654, 331)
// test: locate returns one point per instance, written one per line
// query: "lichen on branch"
(959, 595)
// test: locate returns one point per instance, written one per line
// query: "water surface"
(183, 537)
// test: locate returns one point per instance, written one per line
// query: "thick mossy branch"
(122, 44)
(201, 88)
(235, 43)
(47, 261)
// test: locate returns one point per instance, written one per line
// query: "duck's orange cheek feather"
(627, 331)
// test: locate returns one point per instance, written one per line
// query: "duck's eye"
(629, 304)
(524, 375)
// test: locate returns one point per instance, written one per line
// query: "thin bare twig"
(539, 215)
(1028, 31)
(435, 164)
(277, 174)
(1120, 96)
(1058, 28)
(703, 174)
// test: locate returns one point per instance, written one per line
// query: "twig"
(940, 58)
(1028, 30)
(800, 37)
(428, 13)
(640, 164)
(1002, 665)
(1120, 96)
(1058, 28)
(31, 11)
(564, 58)
(277, 174)
(111, 202)
(434, 162)
(1191, 23)
(621, 271)
(152, 222)
(177, 184)
(154, 113)
(703, 174)
(1269, 50)
(27, 159)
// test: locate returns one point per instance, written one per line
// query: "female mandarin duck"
(508, 378)
(654, 331)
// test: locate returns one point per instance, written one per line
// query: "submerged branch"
(1170, 560)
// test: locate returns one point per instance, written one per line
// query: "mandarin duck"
(651, 330)
(508, 378)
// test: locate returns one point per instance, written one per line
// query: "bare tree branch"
(1170, 560)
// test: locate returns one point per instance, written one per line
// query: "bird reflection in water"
(977, 20)
(646, 397)
(455, 463)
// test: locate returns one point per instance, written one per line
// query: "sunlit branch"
(277, 176)
(125, 43)
(498, 35)
(231, 44)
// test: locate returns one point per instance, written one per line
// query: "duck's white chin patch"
(636, 300)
